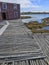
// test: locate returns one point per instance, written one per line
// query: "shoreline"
(24, 13)
(36, 27)
(25, 17)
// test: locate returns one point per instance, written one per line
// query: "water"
(46, 28)
(35, 17)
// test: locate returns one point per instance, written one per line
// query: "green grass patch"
(36, 27)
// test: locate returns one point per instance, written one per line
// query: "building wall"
(0, 11)
(11, 13)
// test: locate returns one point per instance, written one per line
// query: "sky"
(31, 5)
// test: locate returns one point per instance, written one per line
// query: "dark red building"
(9, 11)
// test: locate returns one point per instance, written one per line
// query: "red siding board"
(10, 11)
(0, 16)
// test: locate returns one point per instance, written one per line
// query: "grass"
(36, 27)
(40, 31)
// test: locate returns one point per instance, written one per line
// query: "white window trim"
(15, 6)
(15, 14)
(3, 5)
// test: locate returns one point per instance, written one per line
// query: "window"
(4, 5)
(15, 14)
(15, 6)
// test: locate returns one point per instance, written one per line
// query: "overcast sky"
(31, 5)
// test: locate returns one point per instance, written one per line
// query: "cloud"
(35, 0)
(23, 3)
(27, 4)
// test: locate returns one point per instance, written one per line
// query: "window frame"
(15, 14)
(15, 6)
(4, 5)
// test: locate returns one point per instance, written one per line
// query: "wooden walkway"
(25, 62)
(18, 44)
(43, 40)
